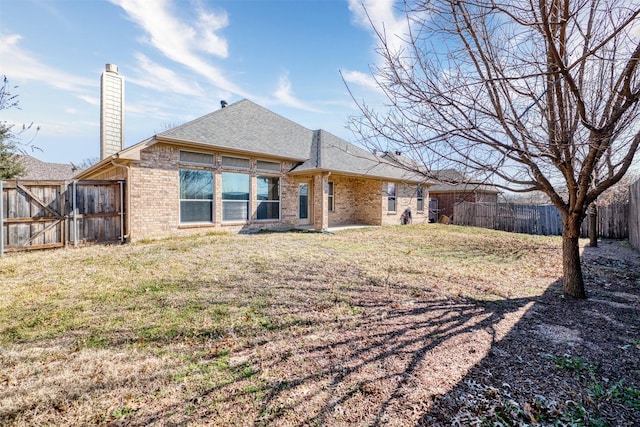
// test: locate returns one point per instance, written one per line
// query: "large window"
(331, 198)
(268, 197)
(196, 196)
(391, 197)
(420, 199)
(235, 196)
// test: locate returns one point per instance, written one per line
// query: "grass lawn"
(361, 327)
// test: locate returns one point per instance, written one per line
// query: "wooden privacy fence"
(529, 219)
(613, 220)
(50, 214)
(634, 215)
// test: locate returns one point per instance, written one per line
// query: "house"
(454, 187)
(245, 168)
(35, 169)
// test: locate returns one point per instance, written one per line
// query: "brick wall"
(405, 198)
(155, 196)
(356, 201)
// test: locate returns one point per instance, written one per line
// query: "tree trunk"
(573, 282)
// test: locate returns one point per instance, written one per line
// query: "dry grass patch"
(361, 327)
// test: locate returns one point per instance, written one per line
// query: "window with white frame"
(391, 197)
(196, 196)
(331, 197)
(419, 199)
(235, 196)
(268, 189)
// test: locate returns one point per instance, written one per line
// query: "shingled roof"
(249, 128)
(333, 154)
(453, 181)
(38, 170)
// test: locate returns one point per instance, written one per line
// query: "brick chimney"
(111, 111)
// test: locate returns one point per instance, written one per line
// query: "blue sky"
(180, 58)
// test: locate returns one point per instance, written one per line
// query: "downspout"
(123, 236)
(325, 206)
(1, 220)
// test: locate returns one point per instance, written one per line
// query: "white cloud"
(20, 64)
(93, 100)
(181, 42)
(361, 79)
(384, 16)
(154, 76)
(284, 95)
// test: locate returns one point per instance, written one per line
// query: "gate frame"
(68, 220)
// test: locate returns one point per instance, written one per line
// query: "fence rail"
(49, 214)
(613, 220)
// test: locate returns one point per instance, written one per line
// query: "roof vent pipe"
(223, 103)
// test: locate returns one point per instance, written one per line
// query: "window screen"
(235, 162)
(192, 157)
(196, 196)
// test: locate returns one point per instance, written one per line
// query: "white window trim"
(420, 198)
(394, 197)
(212, 200)
(279, 201)
(331, 197)
(248, 202)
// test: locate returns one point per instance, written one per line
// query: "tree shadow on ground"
(389, 365)
(382, 366)
(376, 354)
(565, 362)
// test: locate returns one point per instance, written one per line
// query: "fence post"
(75, 215)
(1, 220)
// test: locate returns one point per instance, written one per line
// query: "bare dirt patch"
(566, 362)
(416, 325)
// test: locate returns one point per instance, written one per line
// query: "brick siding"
(153, 202)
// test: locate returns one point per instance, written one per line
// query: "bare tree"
(539, 95)
(10, 143)
(619, 193)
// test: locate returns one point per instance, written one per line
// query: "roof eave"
(312, 171)
(128, 154)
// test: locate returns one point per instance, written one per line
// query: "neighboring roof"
(453, 181)
(38, 170)
(246, 126)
